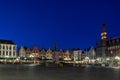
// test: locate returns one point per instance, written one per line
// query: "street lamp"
(87, 59)
(107, 59)
(31, 56)
(117, 58)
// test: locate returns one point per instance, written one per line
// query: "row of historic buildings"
(8, 50)
(106, 50)
(43, 54)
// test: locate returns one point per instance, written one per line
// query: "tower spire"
(55, 46)
(104, 33)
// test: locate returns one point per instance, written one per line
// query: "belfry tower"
(101, 45)
(103, 40)
(104, 33)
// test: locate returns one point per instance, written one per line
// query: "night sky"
(69, 23)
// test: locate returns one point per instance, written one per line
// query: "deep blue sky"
(69, 23)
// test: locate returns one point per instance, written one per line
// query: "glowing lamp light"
(87, 58)
(31, 56)
(93, 60)
(108, 59)
(67, 59)
(98, 59)
(17, 59)
(117, 57)
(7, 56)
(104, 33)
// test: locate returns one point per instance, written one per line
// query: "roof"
(6, 42)
(113, 38)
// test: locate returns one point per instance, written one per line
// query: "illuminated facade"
(107, 48)
(77, 55)
(22, 52)
(101, 45)
(61, 55)
(104, 33)
(91, 53)
(35, 52)
(67, 55)
(113, 47)
(42, 53)
(49, 54)
(7, 49)
(28, 52)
